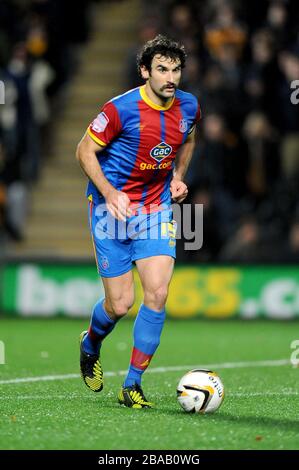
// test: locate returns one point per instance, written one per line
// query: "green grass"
(260, 410)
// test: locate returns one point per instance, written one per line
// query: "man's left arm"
(178, 188)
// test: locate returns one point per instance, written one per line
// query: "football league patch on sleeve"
(100, 123)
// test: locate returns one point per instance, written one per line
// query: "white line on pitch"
(157, 370)
(285, 393)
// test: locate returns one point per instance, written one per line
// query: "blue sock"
(147, 331)
(100, 326)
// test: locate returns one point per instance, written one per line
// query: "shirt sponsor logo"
(155, 166)
(161, 151)
(100, 123)
(183, 126)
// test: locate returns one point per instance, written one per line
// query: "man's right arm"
(117, 201)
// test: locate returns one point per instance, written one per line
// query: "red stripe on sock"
(140, 359)
(94, 337)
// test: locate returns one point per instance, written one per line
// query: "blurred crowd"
(243, 56)
(39, 52)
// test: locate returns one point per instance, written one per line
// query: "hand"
(118, 204)
(178, 190)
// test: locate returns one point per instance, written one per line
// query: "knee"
(156, 297)
(119, 307)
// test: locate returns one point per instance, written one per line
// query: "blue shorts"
(118, 244)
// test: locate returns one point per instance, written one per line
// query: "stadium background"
(59, 64)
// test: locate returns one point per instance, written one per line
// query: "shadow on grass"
(162, 408)
(225, 417)
(279, 423)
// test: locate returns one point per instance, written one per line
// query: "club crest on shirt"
(100, 123)
(183, 126)
(160, 151)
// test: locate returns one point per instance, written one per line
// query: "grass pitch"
(49, 407)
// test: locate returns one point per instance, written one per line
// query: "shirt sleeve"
(106, 126)
(197, 118)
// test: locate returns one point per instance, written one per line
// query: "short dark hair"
(164, 46)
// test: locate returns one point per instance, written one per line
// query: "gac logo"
(161, 151)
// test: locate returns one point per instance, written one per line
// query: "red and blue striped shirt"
(141, 140)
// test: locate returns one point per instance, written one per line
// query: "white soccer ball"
(200, 391)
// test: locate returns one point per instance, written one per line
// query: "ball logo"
(216, 385)
(160, 151)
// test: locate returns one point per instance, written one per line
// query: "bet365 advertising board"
(195, 291)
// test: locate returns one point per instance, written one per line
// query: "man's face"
(164, 76)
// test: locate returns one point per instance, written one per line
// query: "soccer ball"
(200, 391)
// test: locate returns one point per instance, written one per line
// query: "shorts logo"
(100, 123)
(104, 262)
(183, 126)
(160, 151)
(172, 228)
(168, 231)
